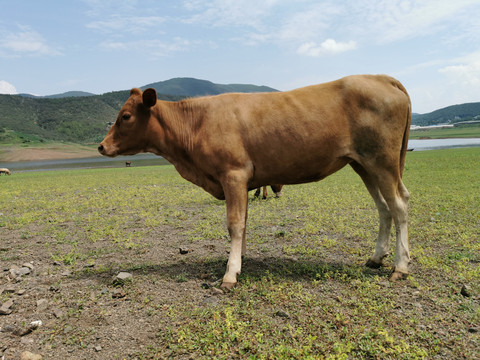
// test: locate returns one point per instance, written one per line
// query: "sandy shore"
(54, 152)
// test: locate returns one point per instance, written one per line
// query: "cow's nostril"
(100, 148)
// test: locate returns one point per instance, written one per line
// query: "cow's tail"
(406, 132)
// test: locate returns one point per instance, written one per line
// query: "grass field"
(304, 292)
(471, 131)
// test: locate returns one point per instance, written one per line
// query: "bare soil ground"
(85, 313)
(48, 152)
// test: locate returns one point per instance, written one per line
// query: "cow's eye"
(126, 116)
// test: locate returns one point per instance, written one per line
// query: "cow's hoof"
(227, 286)
(373, 264)
(397, 275)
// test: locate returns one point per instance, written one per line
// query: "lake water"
(85, 163)
(151, 159)
(434, 144)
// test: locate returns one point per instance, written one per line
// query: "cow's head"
(128, 136)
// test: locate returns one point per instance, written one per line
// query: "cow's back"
(308, 133)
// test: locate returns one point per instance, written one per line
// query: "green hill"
(69, 94)
(70, 119)
(449, 115)
(73, 119)
(57, 96)
(194, 87)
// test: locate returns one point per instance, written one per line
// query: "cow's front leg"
(236, 196)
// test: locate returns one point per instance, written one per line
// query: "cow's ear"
(149, 97)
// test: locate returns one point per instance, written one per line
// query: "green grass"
(9, 137)
(303, 292)
(466, 131)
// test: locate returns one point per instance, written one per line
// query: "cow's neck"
(180, 123)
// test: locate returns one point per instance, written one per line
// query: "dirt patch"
(85, 312)
(12, 154)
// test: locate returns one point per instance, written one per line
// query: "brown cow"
(277, 189)
(231, 143)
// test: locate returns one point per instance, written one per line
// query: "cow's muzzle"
(101, 149)
(107, 150)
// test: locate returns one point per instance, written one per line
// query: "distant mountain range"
(83, 117)
(449, 115)
(185, 87)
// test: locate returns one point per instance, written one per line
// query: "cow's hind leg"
(402, 252)
(383, 239)
(277, 189)
(396, 197)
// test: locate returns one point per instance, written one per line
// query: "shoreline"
(17, 153)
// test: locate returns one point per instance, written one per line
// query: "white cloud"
(219, 13)
(7, 88)
(101, 7)
(455, 81)
(467, 74)
(24, 42)
(259, 22)
(115, 45)
(130, 24)
(152, 48)
(465, 71)
(377, 21)
(388, 21)
(296, 26)
(311, 22)
(328, 47)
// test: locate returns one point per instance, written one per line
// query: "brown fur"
(231, 143)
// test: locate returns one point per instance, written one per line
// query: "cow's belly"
(299, 169)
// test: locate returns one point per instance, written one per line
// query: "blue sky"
(432, 46)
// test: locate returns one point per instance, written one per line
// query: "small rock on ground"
(27, 355)
(16, 272)
(118, 294)
(42, 305)
(211, 300)
(28, 265)
(5, 308)
(122, 276)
